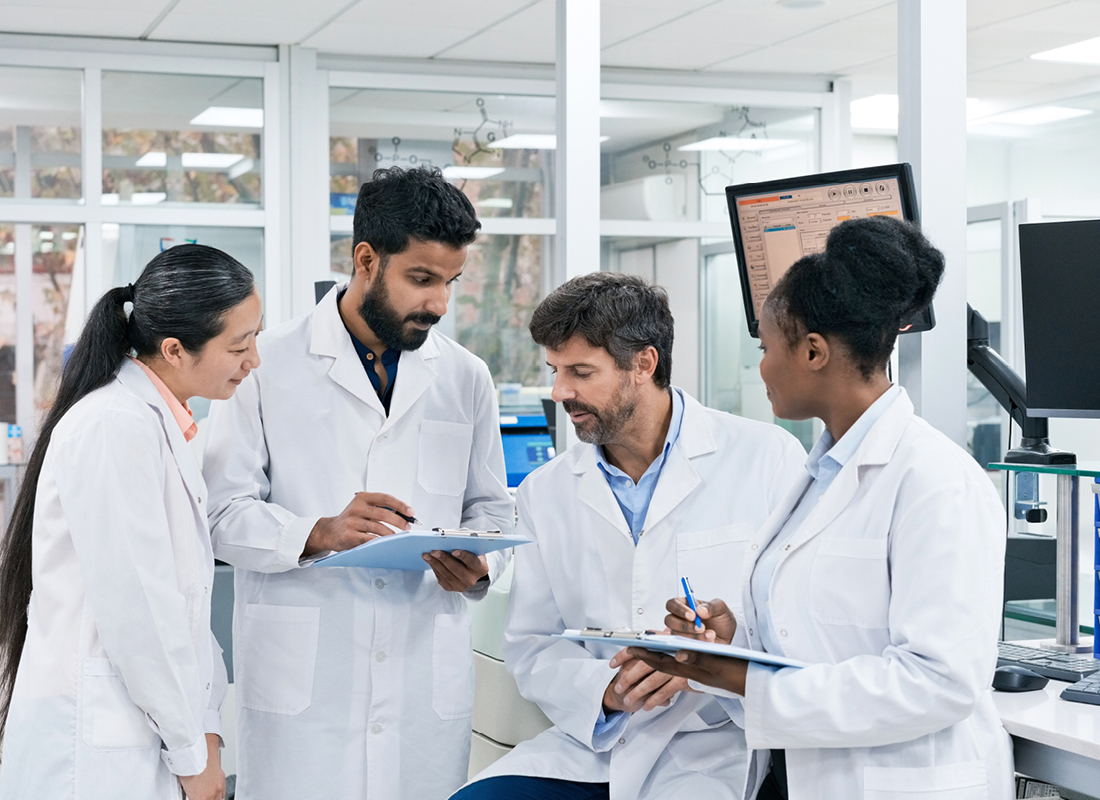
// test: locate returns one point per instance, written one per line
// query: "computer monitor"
(775, 223)
(1060, 286)
(527, 443)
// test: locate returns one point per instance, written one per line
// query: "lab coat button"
(383, 437)
(755, 546)
(622, 741)
(380, 656)
(788, 547)
(208, 686)
(641, 610)
(750, 631)
(376, 728)
(379, 584)
(782, 633)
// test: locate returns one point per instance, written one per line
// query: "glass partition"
(497, 148)
(182, 139)
(40, 134)
(57, 264)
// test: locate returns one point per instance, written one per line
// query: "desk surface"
(1046, 718)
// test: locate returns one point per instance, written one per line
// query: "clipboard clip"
(467, 532)
(600, 633)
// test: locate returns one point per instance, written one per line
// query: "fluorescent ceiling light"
(148, 198)
(877, 112)
(153, 159)
(68, 236)
(1086, 52)
(110, 199)
(1040, 115)
(48, 235)
(495, 202)
(530, 141)
(225, 117)
(471, 173)
(729, 143)
(210, 160)
(240, 168)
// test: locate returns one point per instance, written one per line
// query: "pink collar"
(180, 411)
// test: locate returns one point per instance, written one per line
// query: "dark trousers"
(523, 787)
(775, 783)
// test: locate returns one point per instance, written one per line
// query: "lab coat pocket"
(947, 782)
(443, 456)
(711, 561)
(452, 667)
(850, 583)
(111, 720)
(279, 645)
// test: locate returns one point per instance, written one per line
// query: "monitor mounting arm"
(1010, 391)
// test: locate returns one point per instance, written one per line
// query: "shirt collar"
(839, 453)
(181, 412)
(674, 425)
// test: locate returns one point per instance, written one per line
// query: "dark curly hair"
(873, 274)
(397, 205)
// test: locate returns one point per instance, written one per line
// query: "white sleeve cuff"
(608, 728)
(212, 723)
(292, 540)
(189, 760)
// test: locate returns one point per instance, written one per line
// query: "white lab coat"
(892, 591)
(120, 677)
(721, 480)
(350, 682)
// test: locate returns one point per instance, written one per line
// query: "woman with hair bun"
(111, 682)
(882, 569)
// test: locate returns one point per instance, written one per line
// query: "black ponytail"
(873, 274)
(183, 293)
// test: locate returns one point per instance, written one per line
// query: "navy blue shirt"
(367, 356)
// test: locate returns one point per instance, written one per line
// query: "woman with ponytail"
(881, 569)
(110, 679)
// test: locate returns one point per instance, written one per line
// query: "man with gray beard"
(659, 487)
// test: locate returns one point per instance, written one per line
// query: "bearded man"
(659, 487)
(353, 682)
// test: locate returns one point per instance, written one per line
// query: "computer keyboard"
(1059, 666)
(1086, 690)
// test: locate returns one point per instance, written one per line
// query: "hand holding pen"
(368, 516)
(711, 620)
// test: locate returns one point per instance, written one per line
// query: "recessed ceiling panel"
(526, 37)
(267, 22)
(120, 18)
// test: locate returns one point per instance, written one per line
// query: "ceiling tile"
(623, 19)
(527, 37)
(245, 21)
(398, 41)
(119, 18)
(433, 13)
(980, 13)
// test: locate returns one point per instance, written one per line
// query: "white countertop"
(1043, 717)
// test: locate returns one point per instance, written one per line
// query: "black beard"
(384, 322)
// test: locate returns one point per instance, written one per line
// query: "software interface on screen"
(778, 228)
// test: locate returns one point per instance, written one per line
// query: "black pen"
(406, 517)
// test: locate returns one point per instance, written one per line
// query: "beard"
(389, 326)
(605, 424)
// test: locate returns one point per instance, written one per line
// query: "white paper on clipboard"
(404, 550)
(670, 643)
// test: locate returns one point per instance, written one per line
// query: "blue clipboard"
(404, 550)
(670, 643)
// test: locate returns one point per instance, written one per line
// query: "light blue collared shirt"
(634, 498)
(823, 463)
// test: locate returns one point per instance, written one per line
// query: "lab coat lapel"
(133, 378)
(595, 493)
(679, 478)
(330, 338)
(877, 448)
(415, 373)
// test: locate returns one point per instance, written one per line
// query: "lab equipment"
(1059, 666)
(775, 223)
(1086, 690)
(527, 444)
(669, 643)
(1014, 678)
(405, 550)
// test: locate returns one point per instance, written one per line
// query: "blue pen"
(691, 602)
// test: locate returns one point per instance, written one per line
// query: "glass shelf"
(1083, 469)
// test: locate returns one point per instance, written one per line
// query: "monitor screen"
(524, 452)
(1060, 285)
(778, 222)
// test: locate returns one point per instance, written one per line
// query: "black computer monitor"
(775, 223)
(1060, 285)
